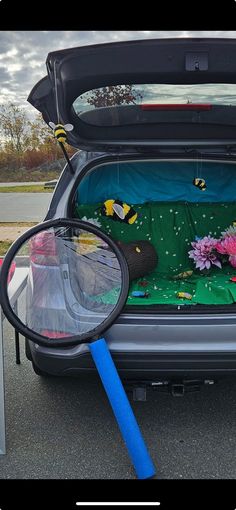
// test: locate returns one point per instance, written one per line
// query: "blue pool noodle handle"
(122, 409)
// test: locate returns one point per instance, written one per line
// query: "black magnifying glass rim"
(64, 341)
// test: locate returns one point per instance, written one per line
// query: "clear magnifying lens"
(69, 281)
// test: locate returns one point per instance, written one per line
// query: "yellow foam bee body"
(60, 131)
(119, 211)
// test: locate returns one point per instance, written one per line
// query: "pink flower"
(204, 253)
(227, 246)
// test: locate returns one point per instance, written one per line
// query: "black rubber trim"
(66, 341)
(181, 309)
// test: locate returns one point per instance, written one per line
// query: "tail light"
(166, 107)
(43, 249)
(55, 334)
(11, 270)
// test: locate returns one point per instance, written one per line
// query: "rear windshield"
(117, 105)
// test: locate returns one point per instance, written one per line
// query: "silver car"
(154, 124)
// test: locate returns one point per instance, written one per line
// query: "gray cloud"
(23, 54)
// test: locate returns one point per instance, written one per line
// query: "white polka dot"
(179, 228)
(174, 254)
(195, 222)
(176, 233)
(171, 210)
(175, 228)
(162, 239)
(153, 219)
(211, 217)
(203, 215)
(167, 253)
(176, 212)
(161, 216)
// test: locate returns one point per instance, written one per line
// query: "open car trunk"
(172, 212)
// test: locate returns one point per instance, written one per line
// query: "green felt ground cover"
(171, 226)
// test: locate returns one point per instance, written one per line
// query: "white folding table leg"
(2, 393)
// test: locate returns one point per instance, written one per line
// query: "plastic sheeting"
(152, 181)
(73, 283)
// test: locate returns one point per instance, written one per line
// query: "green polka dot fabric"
(171, 226)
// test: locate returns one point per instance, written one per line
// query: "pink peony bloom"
(227, 246)
(204, 253)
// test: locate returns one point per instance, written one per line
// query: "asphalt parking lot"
(27, 206)
(64, 428)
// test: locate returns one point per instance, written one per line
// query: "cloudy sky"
(23, 54)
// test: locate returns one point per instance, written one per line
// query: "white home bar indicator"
(116, 503)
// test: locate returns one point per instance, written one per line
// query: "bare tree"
(113, 95)
(13, 125)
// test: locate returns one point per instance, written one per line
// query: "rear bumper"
(154, 347)
(142, 366)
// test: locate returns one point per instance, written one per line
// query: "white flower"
(94, 221)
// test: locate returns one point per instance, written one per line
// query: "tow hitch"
(177, 388)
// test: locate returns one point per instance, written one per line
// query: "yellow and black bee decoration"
(199, 183)
(119, 211)
(60, 131)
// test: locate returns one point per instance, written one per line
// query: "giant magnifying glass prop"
(77, 283)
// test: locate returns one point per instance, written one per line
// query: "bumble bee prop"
(199, 183)
(119, 211)
(60, 131)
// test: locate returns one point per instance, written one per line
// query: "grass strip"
(17, 223)
(4, 245)
(25, 189)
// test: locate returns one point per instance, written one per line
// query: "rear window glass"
(117, 105)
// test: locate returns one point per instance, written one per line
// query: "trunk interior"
(171, 213)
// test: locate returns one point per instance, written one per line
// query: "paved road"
(64, 428)
(28, 183)
(24, 206)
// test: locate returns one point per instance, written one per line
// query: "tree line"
(27, 147)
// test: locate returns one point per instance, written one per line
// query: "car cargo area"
(172, 212)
